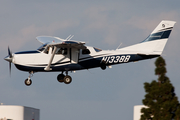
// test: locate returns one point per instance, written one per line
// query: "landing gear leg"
(28, 81)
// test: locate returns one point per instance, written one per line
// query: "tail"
(155, 42)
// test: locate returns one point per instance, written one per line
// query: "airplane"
(64, 55)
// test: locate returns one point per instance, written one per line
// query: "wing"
(48, 39)
(59, 42)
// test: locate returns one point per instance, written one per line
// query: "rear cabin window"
(86, 51)
(62, 51)
(97, 49)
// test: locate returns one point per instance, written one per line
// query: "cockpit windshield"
(42, 47)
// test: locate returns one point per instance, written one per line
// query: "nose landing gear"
(66, 79)
(28, 81)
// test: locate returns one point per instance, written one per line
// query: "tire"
(60, 78)
(67, 79)
(103, 67)
(28, 82)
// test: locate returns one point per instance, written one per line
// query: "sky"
(93, 94)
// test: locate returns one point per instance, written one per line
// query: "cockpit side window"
(86, 51)
(46, 50)
(62, 51)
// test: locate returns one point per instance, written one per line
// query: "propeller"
(9, 52)
(9, 59)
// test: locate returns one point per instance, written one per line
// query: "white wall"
(137, 111)
(18, 112)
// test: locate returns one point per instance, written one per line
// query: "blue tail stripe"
(157, 36)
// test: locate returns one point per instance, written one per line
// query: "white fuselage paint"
(118, 56)
(41, 59)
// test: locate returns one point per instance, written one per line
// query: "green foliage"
(177, 117)
(160, 66)
(160, 99)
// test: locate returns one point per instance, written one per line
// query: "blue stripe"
(87, 64)
(70, 42)
(158, 36)
(96, 62)
(27, 52)
(70, 67)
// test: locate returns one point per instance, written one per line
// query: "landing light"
(109, 66)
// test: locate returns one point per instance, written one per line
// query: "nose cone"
(8, 58)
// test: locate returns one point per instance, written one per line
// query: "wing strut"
(47, 68)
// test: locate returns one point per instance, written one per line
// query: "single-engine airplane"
(66, 55)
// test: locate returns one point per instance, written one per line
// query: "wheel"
(28, 82)
(67, 79)
(103, 67)
(60, 77)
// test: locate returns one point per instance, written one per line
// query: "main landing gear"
(28, 81)
(61, 78)
(66, 79)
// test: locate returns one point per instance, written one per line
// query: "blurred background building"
(13, 112)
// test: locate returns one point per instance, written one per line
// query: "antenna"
(118, 46)
(68, 37)
(71, 37)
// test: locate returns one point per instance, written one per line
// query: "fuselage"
(72, 60)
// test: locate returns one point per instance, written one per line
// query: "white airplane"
(66, 55)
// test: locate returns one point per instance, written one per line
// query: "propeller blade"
(10, 68)
(9, 59)
(9, 53)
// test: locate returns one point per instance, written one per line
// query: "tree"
(160, 99)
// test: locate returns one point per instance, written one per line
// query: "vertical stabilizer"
(156, 41)
(164, 25)
(162, 31)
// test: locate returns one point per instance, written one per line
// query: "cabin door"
(74, 55)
